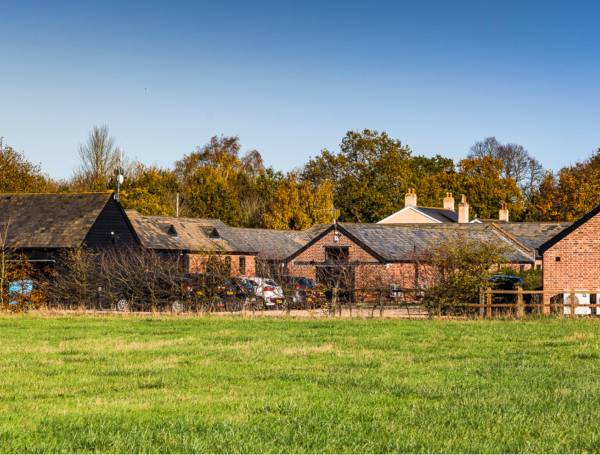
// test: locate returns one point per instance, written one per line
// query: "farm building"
(196, 237)
(41, 225)
(375, 252)
(572, 257)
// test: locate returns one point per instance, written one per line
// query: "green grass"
(222, 384)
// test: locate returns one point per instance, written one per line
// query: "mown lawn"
(222, 384)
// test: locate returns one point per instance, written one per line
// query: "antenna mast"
(334, 210)
(119, 173)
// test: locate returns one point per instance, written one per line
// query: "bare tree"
(519, 165)
(97, 159)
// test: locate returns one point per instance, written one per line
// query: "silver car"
(267, 291)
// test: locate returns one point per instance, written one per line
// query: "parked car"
(505, 282)
(161, 292)
(307, 293)
(20, 289)
(220, 293)
(266, 291)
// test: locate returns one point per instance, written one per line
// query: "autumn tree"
(209, 196)
(150, 190)
(570, 193)
(18, 175)
(298, 204)
(98, 159)
(369, 175)
(481, 181)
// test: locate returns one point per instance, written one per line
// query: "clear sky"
(292, 77)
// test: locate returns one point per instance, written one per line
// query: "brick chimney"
(410, 198)
(503, 212)
(449, 202)
(463, 210)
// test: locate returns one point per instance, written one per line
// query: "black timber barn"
(41, 225)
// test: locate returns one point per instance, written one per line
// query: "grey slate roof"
(270, 244)
(442, 215)
(534, 230)
(49, 220)
(397, 242)
(157, 232)
(193, 234)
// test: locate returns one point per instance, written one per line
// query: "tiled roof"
(49, 220)
(534, 230)
(198, 234)
(172, 233)
(398, 242)
(270, 244)
(442, 215)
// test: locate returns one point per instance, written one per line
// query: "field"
(226, 384)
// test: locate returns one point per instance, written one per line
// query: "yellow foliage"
(298, 204)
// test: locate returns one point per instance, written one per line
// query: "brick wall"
(369, 274)
(198, 261)
(579, 265)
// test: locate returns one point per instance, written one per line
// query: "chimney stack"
(449, 202)
(463, 210)
(410, 198)
(503, 212)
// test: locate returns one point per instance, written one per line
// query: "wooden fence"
(486, 303)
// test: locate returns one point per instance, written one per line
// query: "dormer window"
(211, 232)
(168, 229)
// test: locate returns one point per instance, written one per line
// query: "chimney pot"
(463, 210)
(411, 198)
(503, 216)
(449, 202)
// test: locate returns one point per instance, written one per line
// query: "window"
(557, 258)
(242, 265)
(337, 253)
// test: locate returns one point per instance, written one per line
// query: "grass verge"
(223, 384)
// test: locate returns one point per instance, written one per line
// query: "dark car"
(306, 292)
(220, 293)
(171, 293)
(505, 282)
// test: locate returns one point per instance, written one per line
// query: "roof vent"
(211, 232)
(168, 229)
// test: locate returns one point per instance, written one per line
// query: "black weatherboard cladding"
(112, 219)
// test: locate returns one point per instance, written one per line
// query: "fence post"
(481, 302)
(488, 311)
(572, 303)
(520, 307)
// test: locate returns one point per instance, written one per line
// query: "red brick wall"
(579, 265)
(197, 262)
(371, 275)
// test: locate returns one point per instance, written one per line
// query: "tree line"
(365, 180)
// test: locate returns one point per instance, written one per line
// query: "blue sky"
(292, 77)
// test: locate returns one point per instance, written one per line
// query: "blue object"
(21, 288)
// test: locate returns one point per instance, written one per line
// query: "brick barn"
(374, 253)
(197, 238)
(572, 257)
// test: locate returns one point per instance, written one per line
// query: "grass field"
(222, 384)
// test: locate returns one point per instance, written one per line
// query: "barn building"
(373, 252)
(572, 257)
(41, 225)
